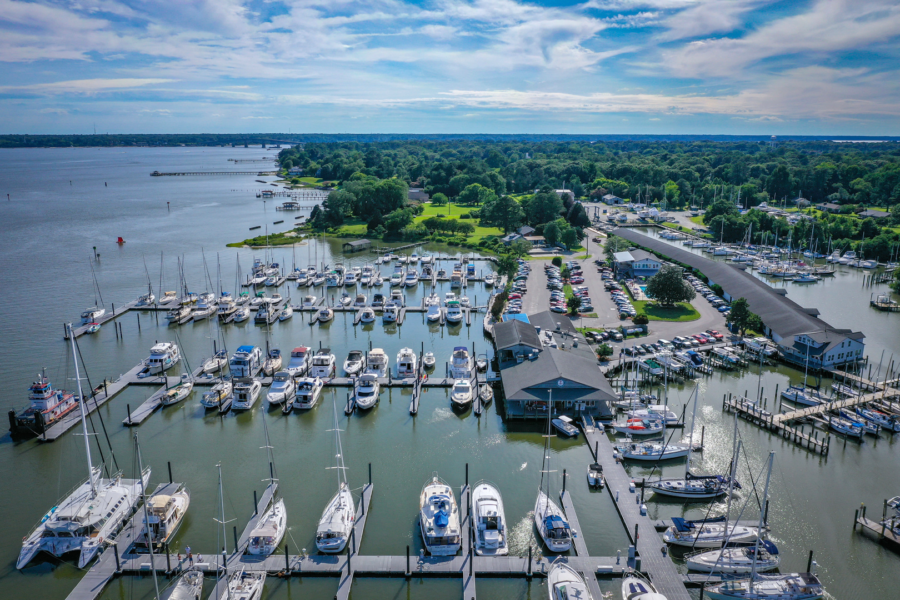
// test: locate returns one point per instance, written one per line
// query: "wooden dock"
(759, 416)
(825, 407)
(879, 528)
(580, 546)
(110, 315)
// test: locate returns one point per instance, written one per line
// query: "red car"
(515, 296)
(715, 334)
(577, 280)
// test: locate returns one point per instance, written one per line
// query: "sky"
(819, 67)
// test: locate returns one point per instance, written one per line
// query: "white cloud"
(82, 86)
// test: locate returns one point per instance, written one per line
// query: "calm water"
(49, 228)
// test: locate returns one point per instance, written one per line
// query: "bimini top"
(246, 349)
(555, 522)
(458, 348)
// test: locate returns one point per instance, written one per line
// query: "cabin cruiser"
(378, 300)
(708, 533)
(282, 388)
(434, 313)
(308, 391)
(449, 297)
(439, 519)
(165, 513)
(390, 314)
(412, 278)
(656, 412)
(217, 394)
(848, 257)
(334, 279)
(735, 560)
(350, 279)
(462, 393)
(302, 280)
(325, 315)
(454, 312)
(323, 364)
(397, 277)
(46, 406)
(300, 361)
(377, 363)
(246, 361)
(246, 392)
(367, 390)
(345, 299)
(551, 523)
(432, 300)
(317, 280)
(269, 530)
(367, 315)
(464, 302)
(226, 305)
(360, 301)
(639, 427)
(461, 364)
(163, 356)
(272, 363)
(489, 280)
(241, 314)
(366, 278)
(397, 298)
(92, 315)
(566, 583)
(637, 587)
(428, 360)
(490, 521)
(355, 362)
(406, 363)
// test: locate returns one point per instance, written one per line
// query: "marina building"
(637, 263)
(542, 357)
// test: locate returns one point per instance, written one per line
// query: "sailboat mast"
(81, 403)
(338, 448)
(762, 515)
(137, 449)
(222, 504)
(687, 465)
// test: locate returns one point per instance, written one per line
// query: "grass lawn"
(274, 239)
(567, 290)
(698, 220)
(352, 227)
(683, 311)
(314, 181)
(453, 211)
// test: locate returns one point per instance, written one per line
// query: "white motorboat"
(336, 522)
(355, 363)
(367, 315)
(345, 299)
(334, 279)
(350, 279)
(367, 390)
(323, 364)
(390, 314)
(461, 364)
(272, 363)
(454, 313)
(428, 360)
(246, 361)
(282, 388)
(377, 363)
(489, 280)
(302, 280)
(246, 392)
(439, 519)
(216, 395)
(848, 257)
(309, 302)
(595, 475)
(216, 362)
(490, 520)
(449, 297)
(397, 277)
(318, 280)
(406, 363)
(652, 451)
(433, 314)
(244, 585)
(92, 315)
(325, 315)
(299, 362)
(412, 278)
(206, 307)
(432, 300)
(565, 426)
(654, 412)
(462, 393)
(378, 280)
(177, 393)
(188, 587)
(565, 583)
(241, 314)
(735, 560)
(464, 301)
(286, 313)
(166, 509)
(637, 587)
(94, 512)
(307, 392)
(360, 301)
(163, 356)
(708, 533)
(397, 298)
(269, 530)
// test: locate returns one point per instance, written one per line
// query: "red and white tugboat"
(47, 406)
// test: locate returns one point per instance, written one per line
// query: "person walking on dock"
(190, 557)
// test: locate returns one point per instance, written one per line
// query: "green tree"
(640, 319)
(439, 199)
(667, 287)
(719, 207)
(552, 233)
(465, 228)
(604, 351)
(557, 261)
(503, 212)
(395, 221)
(896, 284)
(519, 248)
(612, 245)
(476, 194)
(740, 314)
(507, 265)
(569, 237)
(573, 303)
(543, 207)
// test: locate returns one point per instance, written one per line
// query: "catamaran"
(89, 515)
(490, 520)
(439, 519)
(338, 518)
(549, 518)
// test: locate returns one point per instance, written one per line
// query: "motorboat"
(485, 393)
(734, 561)
(439, 519)
(179, 392)
(412, 278)
(188, 587)
(286, 313)
(246, 361)
(246, 392)
(397, 298)
(481, 363)
(325, 315)
(378, 280)
(367, 315)
(848, 257)
(244, 585)
(93, 314)
(334, 279)
(216, 362)
(656, 412)
(307, 392)
(639, 427)
(454, 312)
(318, 280)
(269, 530)
(299, 362)
(428, 360)
(464, 301)
(46, 406)
(308, 302)
(272, 363)
(366, 278)
(461, 364)
(566, 583)
(241, 314)
(461, 394)
(652, 451)
(226, 305)
(781, 586)
(166, 509)
(302, 280)
(390, 314)
(708, 533)
(345, 300)
(564, 425)
(406, 363)
(206, 307)
(163, 356)
(337, 520)
(216, 395)
(360, 301)
(323, 364)
(378, 300)
(595, 475)
(489, 280)
(433, 315)
(367, 390)
(261, 299)
(490, 520)
(637, 587)
(355, 363)
(377, 363)
(397, 277)
(282, 388)
(350, 279)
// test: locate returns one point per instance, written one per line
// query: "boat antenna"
(137, 450)
(81, 402)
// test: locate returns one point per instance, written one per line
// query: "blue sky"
(457, 66)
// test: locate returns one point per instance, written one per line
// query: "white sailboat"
(339, 515)
(188, 587)
(549, 518)
(490, 520)
(735, 560)
(217, 394)
(90, 514)
(272, 524)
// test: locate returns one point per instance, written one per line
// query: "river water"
(59, 209)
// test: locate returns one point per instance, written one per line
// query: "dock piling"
(564, 481)
(168, 559)
(408, 573)
(128, 406)
(809, 562)
(235, 538)
(170, 471)
(528, 573)
(255, 504)
(370, 473)
(116, 554)
(287, 560)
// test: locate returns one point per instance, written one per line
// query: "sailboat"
(271, 525)
(548, 517)
(801, 394)
(339, 515)
(148, 298)
(94, 512)
(97, 311)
